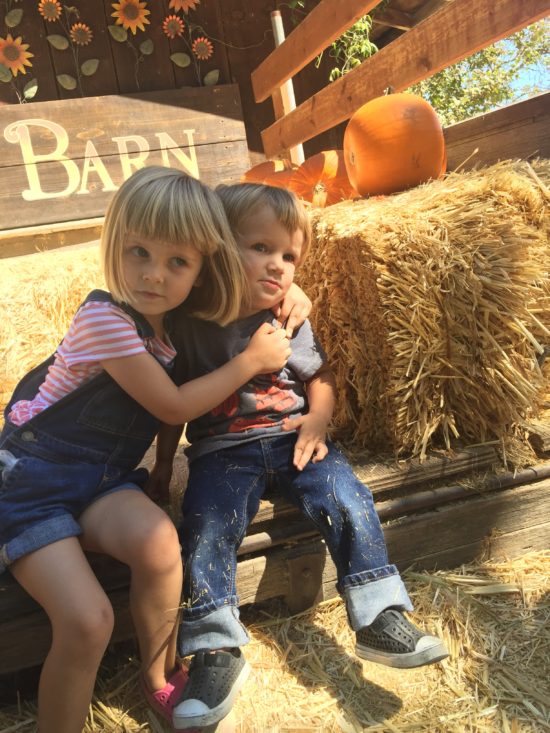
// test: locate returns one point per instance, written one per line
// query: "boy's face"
(269, 255)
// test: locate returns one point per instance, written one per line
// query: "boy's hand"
(269, 349)
(311, 443)
(157, 487)
(293, 309)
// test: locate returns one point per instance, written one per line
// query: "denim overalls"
(56, 464)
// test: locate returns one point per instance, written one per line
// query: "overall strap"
(144, 328)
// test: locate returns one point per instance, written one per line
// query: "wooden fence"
(452, 33)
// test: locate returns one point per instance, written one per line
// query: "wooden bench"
(429, 520)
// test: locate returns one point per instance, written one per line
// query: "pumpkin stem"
(388, 90)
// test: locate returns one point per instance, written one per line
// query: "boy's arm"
(158, 485)
(312, 427)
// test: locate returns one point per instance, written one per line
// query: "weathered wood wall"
(239, 30)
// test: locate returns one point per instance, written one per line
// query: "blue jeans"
(223, 495)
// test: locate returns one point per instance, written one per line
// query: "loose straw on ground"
(493, 615)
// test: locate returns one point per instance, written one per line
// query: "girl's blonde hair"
(168, 205)
(240, 200)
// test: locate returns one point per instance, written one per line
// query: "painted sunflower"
(202, 48)
(81, 34)
(185, 5)
(173, 26)
(50, 10)
(14, 54)
(131, 15)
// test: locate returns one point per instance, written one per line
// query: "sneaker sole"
(215, 714)
(408, 660)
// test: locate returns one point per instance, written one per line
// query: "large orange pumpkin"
(393, 143)
(271, 172)
(322, 179)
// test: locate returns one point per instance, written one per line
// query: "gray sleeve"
(308, 355)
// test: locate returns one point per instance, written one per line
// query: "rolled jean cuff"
(217, 630)
(364, 602)
(38, 536)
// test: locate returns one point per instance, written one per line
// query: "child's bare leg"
(130, 527)
(59, 577)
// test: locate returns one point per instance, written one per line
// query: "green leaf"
(211, 78)
(119, 34)
(30, 89)
(66, 81)
(147, 47)
(59, 42)
(5, 73)
(89, 67)
(181, 59)
(13, 18)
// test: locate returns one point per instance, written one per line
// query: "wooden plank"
(30, 240)
(67, 61)
(71, 156)
(215, 163)
(451, 34)
(34, 33)
(502, 524)
(324, 24)
(394, 18)
(382, 479)
(214, 112)
(517, 131)
(25, 640)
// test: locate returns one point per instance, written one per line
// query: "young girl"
(79, 424)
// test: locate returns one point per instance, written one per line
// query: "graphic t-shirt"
(100, 330)
(257, 409)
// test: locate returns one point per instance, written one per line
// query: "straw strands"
(433, 305)
(494, 616)
(41, 295)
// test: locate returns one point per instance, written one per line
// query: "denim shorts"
(41, 501)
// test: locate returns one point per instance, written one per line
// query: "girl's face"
(269, 254)
(159, 275)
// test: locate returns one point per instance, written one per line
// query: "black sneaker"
(392, 640)
(215, 678)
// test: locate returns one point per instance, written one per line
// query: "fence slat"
(448, 36)
(306, 42)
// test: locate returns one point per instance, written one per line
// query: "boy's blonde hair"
(240, 200)
(168, 205)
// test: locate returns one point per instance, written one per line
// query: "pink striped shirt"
(98, 331)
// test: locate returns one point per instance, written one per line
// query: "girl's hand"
(311, 443)
(269, 349)
(293, 309)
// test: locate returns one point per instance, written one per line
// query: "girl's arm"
(312, 427)
(293, 310)
(143, 378)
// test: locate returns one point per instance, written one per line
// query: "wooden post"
(284, 102)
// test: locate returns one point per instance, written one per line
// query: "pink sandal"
(163, 701)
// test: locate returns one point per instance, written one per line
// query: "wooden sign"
(61, 161)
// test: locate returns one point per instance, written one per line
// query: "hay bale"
(43, 292)
(432, 305)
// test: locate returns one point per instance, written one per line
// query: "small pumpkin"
(322, 179)
(271, 172)
(393, 143)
